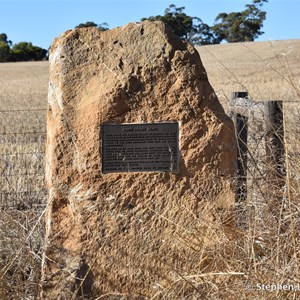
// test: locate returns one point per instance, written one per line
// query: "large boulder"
(126, 235)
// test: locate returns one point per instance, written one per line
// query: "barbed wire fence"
(22, 154)
(22, 201)
(268, 161)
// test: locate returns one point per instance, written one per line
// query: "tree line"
(22, 51)
(243, 26)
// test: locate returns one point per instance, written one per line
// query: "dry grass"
(23, 88)
(226, 262)
(266, 70)
(23, 85)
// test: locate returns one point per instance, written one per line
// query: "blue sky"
(40, 21)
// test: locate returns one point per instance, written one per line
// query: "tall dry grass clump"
(253, 251)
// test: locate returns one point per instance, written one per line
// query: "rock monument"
(119, 233)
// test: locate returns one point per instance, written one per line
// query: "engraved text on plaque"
(140, 147)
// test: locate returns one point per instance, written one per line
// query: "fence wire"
(22, 155)
(22, 201)
(271, 176)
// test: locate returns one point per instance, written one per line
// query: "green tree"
(241, 26)
(189, 28)
(201, 34)
(86, 24)
(4, 52)
(101, 27)
(233, 27)
(176, 19)
(4, 48)
(25, 51)
(19, 52)
(3, 38)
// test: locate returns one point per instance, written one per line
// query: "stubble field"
(234, 262)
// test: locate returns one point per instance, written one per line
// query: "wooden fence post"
(241, 131)
(275, 152)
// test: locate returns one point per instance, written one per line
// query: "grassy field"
(234, 263)
(23, 103)
(266, 70)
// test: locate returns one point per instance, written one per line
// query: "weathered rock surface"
(128, 235)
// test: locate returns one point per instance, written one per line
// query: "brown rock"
(125, 235)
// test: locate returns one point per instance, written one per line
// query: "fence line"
(11, 133)
(240, 107)
(22, 200)
(272, 113)
(22, 176)
(18, 110)
(22, 153)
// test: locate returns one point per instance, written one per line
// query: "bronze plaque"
(147, 147)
